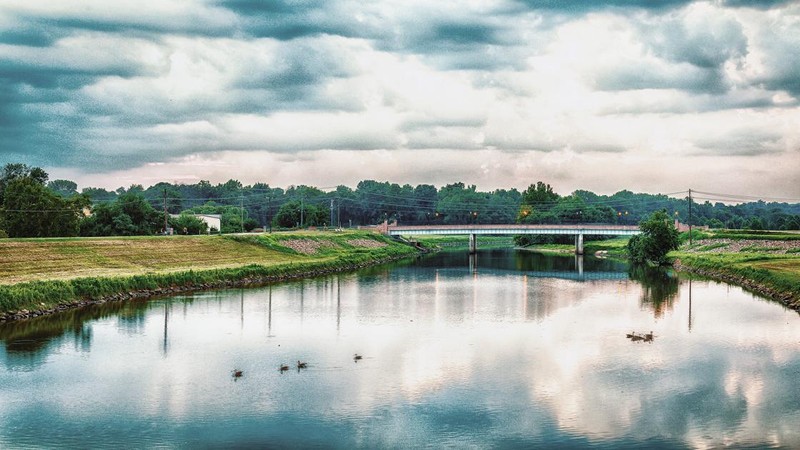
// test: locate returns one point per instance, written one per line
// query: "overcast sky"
(647, 95)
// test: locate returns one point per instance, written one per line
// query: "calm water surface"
(507, 349)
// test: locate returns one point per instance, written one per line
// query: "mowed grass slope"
(768, 258)
(23, 260)
(29, 260)
(43, 275)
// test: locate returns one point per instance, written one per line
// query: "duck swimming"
(357, 357)
(301, 365)
(283, 368)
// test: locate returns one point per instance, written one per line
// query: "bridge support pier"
(579, 244)
(473, 244)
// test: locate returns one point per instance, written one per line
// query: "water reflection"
(471, 352)
(660, 287)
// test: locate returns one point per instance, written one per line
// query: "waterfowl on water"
(284, 368)
(357, 357)
(301, 365)
(237, 373)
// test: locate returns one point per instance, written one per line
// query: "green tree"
(129, 215)
(188, 224)
(755, 223)
(14, 171)
(462, 204)
(30, 209)
(26, 206)
(64, 188)
(231, 216)
(658, 237)
(99, 194)
(288, 215)
(155, 196)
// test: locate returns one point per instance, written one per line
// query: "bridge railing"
(582, 226)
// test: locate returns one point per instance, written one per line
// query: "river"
(505, 349)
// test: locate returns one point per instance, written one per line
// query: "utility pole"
(166, 216)
(690, 218)
(269, 216)
(331, 213)
(302, 211)
(338, 213)
(241, 211)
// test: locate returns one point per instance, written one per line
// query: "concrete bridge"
(577, 230)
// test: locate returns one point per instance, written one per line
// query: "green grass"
(552, 248)
(48, 259)
(461, 241)
(705, 248)
(758, 249)
(46, 273)
(778, 272)
(614, 247)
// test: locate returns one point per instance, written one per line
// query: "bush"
(658, 237)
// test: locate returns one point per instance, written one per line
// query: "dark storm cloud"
(286, 19)
(580, 6)
(472, 43)
(781, 47)
(708, 45)
(296, 64)
(643, 77)
(463, 33)
(757, 4)
(45, 28)
(31, 36)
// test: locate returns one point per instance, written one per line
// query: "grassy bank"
(611, 247)
(461, 241)
(764, 262)
(45, 275)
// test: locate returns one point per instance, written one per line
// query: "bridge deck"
(571, 229)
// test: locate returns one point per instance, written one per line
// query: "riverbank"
(609, 247)
(43, 276)
(458, 242)
(774, 277)
(765, 263)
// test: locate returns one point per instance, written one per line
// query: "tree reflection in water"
(28, 341)
(659, 287)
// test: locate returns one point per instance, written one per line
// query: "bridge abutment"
(473, 244)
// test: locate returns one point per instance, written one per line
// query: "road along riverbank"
(43, 276)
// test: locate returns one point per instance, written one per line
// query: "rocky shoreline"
(786, 298)
(173, 290)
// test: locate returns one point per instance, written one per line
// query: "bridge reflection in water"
(578, 274)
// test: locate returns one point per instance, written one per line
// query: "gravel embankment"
(740, 245)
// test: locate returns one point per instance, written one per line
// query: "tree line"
(33, 206)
